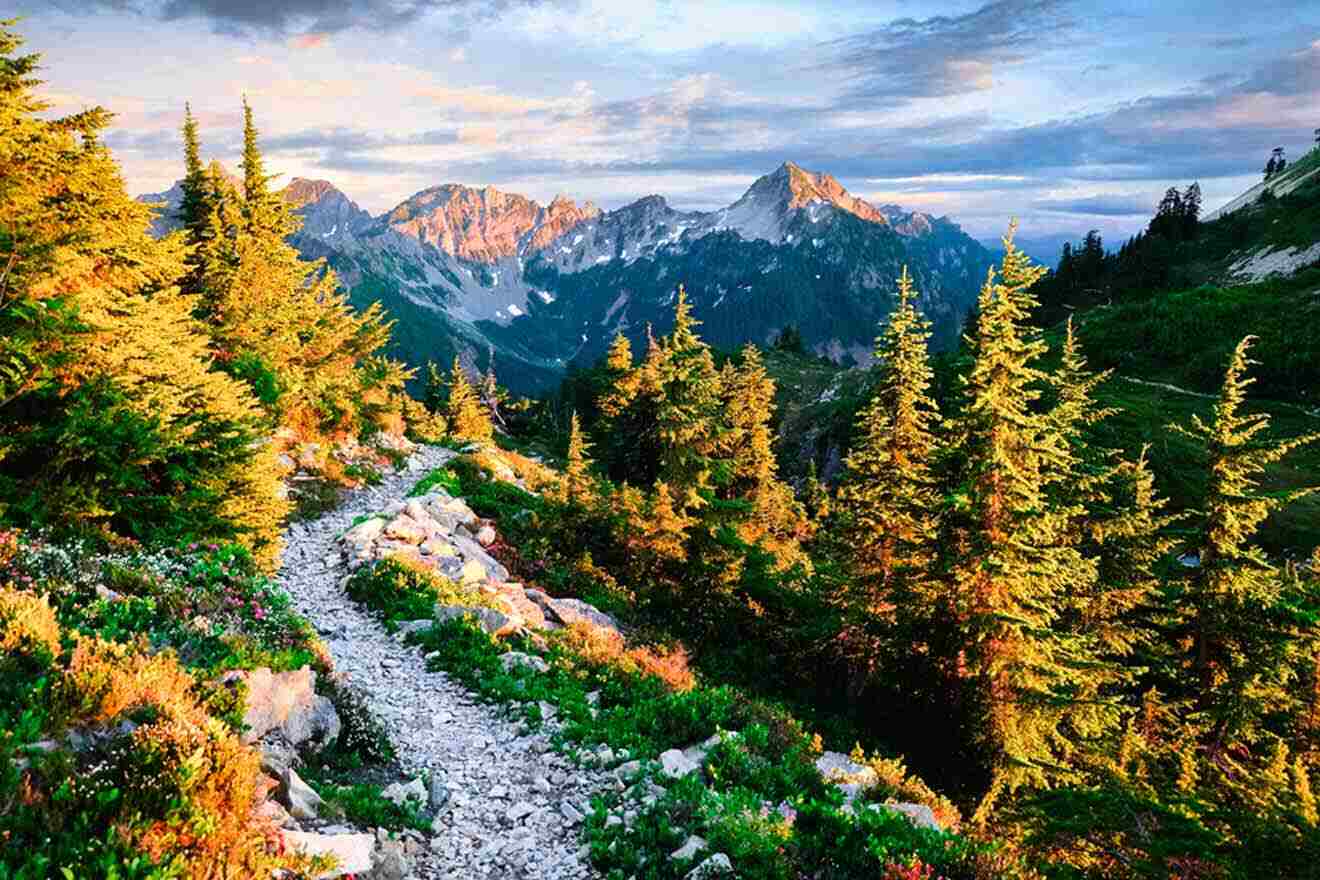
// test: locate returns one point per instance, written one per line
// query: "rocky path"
(508, 806)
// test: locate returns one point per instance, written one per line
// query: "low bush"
(397, 589)
(128, 746)
(441, 478)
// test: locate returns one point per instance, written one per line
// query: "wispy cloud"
(1099, 206)
(944, 56)
(308, 19)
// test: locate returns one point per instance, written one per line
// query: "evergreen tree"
(1247, 638)
(1191, 210)
(1013, 567)
(467, 418)
(627, 400)
(195, 204)
(110, 415)
(492, 396)
(575, 484)
(264, 213)
(773, 517)
(283, 324)
(687, 394)
(889, 490)
(436, 394)
(1115, 521)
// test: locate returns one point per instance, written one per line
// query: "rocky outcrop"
(286, 704)
(559, 217)
(440, 532)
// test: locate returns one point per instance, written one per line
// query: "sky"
(1067, 115)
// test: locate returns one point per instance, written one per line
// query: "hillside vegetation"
(1065, 622)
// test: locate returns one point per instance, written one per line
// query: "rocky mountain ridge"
(471, 272)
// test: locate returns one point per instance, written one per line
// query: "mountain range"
(483, 273)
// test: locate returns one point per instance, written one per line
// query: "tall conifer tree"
(575, 483)
(687, 407)
(1248, 640)
(467, 418)
(773, 517)
(1013, 566)
(889, 489)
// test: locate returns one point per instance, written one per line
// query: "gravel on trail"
(512, 807)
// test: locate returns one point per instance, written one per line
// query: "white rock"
(401, 792)
(520, 810)
(511, 660)
(351, 851)
(839, 768)
(716, 866)
(301, 801)
(676, 765)
(690, 848)
(918, 814)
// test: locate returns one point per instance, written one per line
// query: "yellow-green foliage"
(27, 626)
(110, 412)
(696, 435)
(282, 323)
(467, 418)
(889, 493)
(575, 485)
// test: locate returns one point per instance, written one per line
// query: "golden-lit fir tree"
(889, 491)
(283, 324)
(1115, 520)
(652, 527)
(1013, 567)
(1245, 635)
(687, 412)
(1127, 534)
(468, 419)
(492, 395)
(773, 518)
(110, 412)
(622, 380)
(576, 486)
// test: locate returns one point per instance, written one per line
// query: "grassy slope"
(1144, 413)
(1185, 338)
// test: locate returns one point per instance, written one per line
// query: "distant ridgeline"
(485, 274)
(1271, 229)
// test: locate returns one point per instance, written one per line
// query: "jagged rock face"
(326, 212)
(806, 187)
(485, 225)
(481, 225)
(559, 217)
(772, 205)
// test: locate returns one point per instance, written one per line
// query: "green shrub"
(441, 478)
(399, 590)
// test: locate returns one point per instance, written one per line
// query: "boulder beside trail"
(286, 703)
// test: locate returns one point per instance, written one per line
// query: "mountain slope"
(478, 271)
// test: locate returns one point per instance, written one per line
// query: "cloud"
(944, 56)
(1099, 206)
(310, 19)
(309, 41)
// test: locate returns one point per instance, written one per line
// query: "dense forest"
(996, 609)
